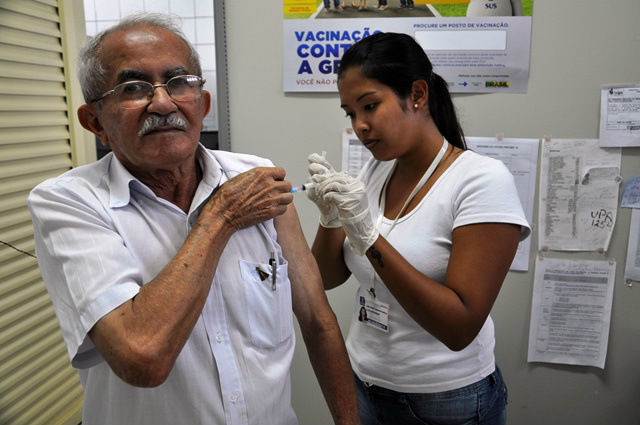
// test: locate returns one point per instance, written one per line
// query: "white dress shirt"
(101, 235)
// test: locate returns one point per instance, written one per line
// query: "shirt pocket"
(270, 312)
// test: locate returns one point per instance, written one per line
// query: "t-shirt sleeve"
(487, 194)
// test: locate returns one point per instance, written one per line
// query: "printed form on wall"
(521, 158)
(620, 116)
(632, 266)
(571, 311)
(631, 199)
(579, 183)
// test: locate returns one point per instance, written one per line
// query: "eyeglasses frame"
(152, 91)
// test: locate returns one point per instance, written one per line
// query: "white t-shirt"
(101, 235)
(474, 189)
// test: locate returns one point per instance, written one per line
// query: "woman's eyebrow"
(362, 96)
(365, 95)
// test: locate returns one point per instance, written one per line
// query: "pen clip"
(274, 270)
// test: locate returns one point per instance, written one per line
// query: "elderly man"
(173, 269)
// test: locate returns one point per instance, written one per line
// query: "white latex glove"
(350, 198)
(319, 170)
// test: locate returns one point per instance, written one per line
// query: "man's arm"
(141, 339)
(318, 323)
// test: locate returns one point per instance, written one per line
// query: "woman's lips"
(369, 144)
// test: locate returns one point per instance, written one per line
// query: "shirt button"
(234, 398)
(219, 338)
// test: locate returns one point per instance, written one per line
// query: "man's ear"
(206, 106)
(419, 93)
(88, 117)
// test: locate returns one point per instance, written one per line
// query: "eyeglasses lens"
(184, 87)
(133, 94)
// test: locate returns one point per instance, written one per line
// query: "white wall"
(577, 46)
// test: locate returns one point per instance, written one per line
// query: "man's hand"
(254, 196)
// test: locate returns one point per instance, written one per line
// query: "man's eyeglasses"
(137, 94)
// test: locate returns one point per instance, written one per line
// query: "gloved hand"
(319, 170)
(350, 198)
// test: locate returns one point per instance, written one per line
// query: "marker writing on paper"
(303, 187)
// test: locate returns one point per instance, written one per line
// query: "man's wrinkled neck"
(177, 185)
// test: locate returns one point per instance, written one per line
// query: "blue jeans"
(481, 403)
(327, 3)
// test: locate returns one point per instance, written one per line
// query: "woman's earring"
(415, 105)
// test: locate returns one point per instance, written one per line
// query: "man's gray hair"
(92, 74)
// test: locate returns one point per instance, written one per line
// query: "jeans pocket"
(482, 402)
(445, 409)
(493, 401)
(269, 311)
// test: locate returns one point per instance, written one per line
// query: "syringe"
(303, 187)
(306, 186)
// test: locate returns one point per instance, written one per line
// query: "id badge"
(374, 313)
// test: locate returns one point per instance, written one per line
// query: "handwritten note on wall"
(579, 185)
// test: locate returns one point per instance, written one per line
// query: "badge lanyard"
(420, 185)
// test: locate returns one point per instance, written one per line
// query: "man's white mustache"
(155, 121)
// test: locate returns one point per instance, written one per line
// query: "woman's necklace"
(416, 189)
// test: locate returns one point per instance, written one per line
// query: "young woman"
(429, 229)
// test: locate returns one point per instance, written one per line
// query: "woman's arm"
(327, 249)
(454, 312)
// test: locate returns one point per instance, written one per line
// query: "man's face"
(153, 55)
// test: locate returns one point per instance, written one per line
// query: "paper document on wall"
(579, 184)
(354, 154)
(631, 199)
(571, 311)
(620, 115)
(521, 158)
(631, 195)
(632, 266)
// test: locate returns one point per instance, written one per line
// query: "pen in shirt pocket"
(274, 270)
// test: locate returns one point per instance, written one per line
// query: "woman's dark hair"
(397, 60)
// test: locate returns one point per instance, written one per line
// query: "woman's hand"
(349, 197)
(319, 170)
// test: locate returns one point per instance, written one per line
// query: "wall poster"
(477, 46)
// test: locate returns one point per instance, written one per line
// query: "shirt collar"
(121, 180)
(212, 173)
(212, 176)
